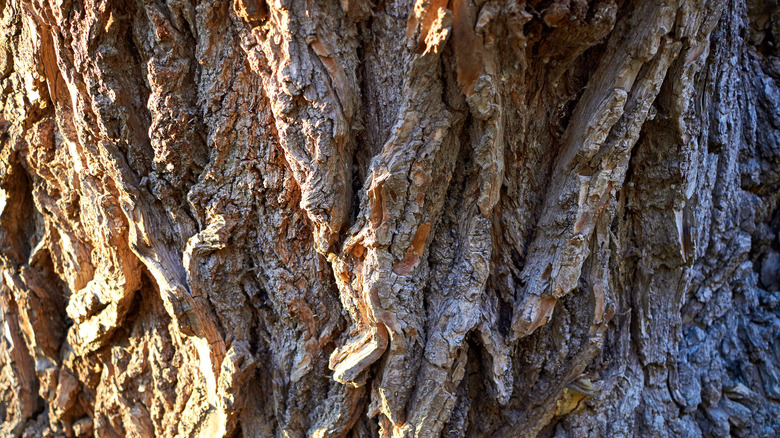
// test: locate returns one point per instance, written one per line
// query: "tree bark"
(463, 218)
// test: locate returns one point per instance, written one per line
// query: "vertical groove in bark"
(394, 218)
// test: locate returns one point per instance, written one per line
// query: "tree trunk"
(463, 218)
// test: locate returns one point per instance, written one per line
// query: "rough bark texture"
(455, 218)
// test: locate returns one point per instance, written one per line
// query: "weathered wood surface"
(464, 218)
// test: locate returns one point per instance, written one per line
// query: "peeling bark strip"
(430, 218)
(594, 157)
